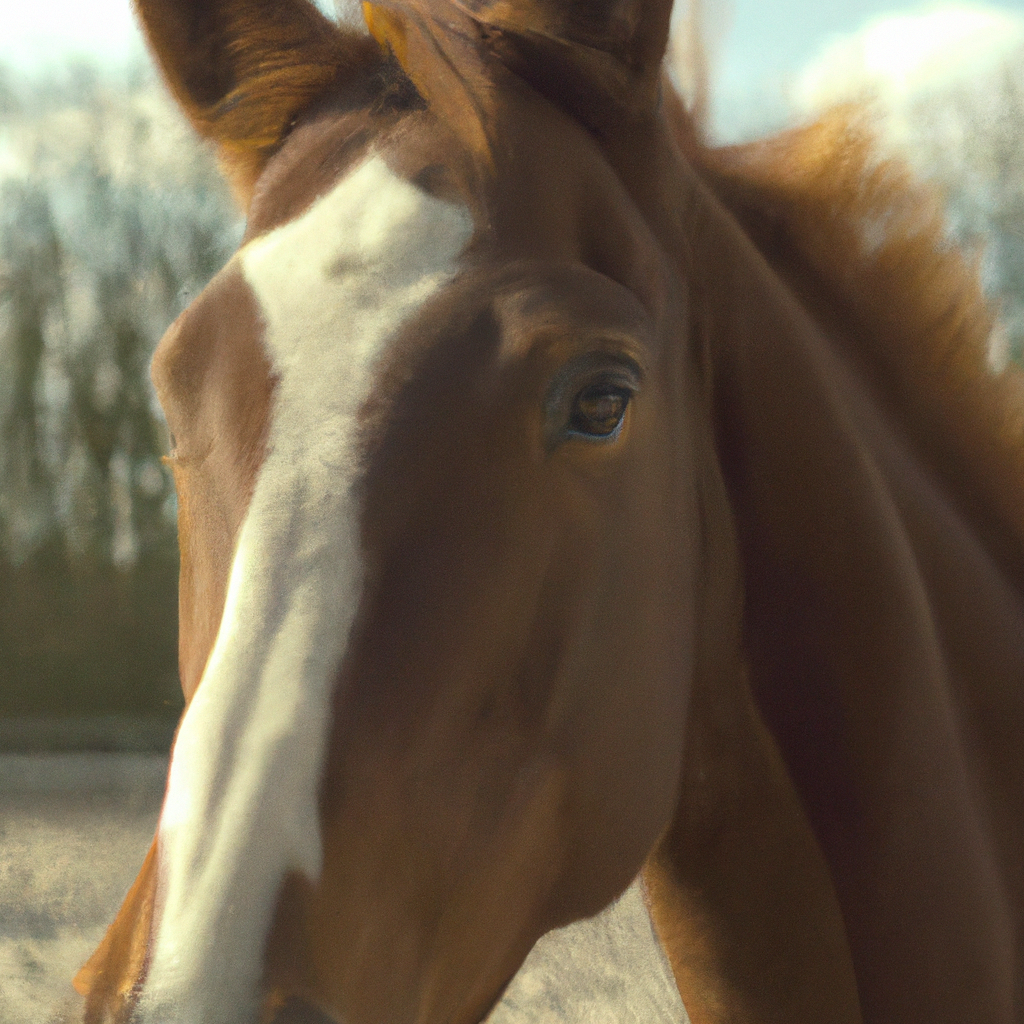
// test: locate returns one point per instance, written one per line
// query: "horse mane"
(864, 246)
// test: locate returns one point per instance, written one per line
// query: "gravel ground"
(74, 829)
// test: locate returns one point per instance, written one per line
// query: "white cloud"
(900, 57)
(38, 35)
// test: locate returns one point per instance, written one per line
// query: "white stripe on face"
(241, 806)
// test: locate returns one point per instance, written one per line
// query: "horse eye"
(598, 410)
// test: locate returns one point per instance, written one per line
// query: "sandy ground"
(74, 829)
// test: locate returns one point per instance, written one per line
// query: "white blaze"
(241, 807)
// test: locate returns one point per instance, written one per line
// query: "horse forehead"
(374, 245)
(335, 284)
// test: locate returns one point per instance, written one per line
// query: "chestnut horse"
(563, 500)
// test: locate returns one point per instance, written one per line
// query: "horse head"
(542, 523)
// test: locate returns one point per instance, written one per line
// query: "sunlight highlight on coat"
(241, 808)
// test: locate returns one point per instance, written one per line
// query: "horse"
(567, 504)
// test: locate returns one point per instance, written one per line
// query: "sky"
(35, 34)
(40, 33)
(758, 46)
(760, 35)
(779, 35)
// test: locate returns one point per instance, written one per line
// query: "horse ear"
(242, 70)
(599, 59)
(613, 48)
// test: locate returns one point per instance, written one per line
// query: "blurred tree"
(111, 218)
(29, 287)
